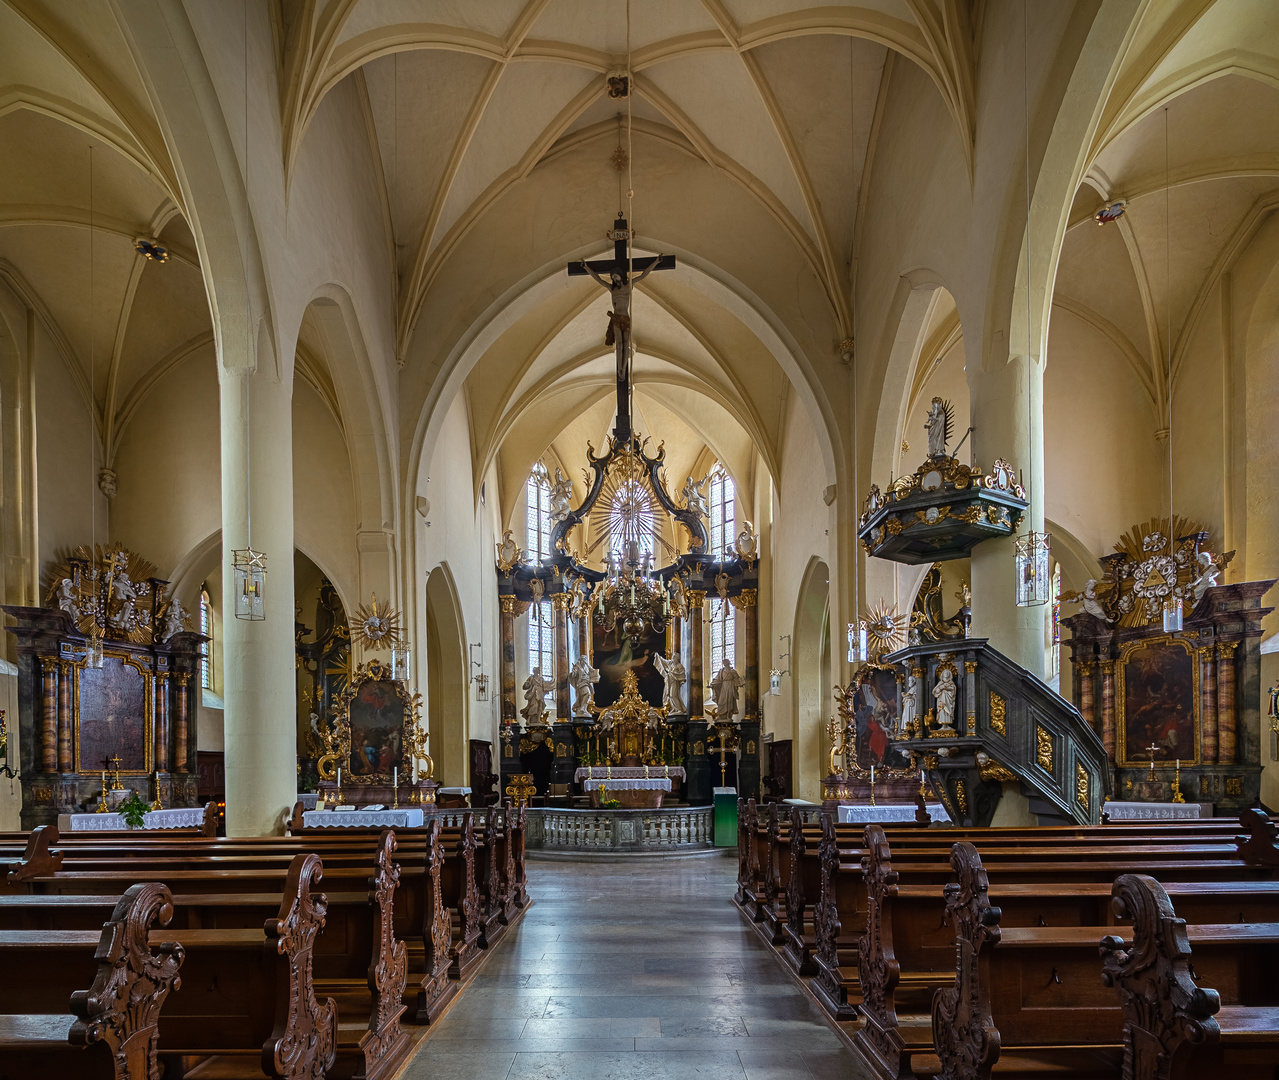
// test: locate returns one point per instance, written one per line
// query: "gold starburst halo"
(885, 628)
(377, 626)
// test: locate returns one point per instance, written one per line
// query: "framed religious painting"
(114, 710)
(1158, 703)
(380, 717)
(876, 704)
(615, 653)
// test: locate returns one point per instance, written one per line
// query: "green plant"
(610, 804)
(133, 810)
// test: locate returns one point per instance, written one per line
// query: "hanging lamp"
(1172, 605)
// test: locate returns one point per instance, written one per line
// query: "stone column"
(696, 600)
(506, 662)
(1006, 425)
(1226, 702)
(1108, 708)
(180, 724)
(259, 657)
(49, 714)
(64, 717)
(586, 646)
(161, 756)
(750, 620)
(1207, 705)
(563, 706)
(1085, 694)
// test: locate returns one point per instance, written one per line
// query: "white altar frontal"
(410, 818)
(1155, 811)
(629, 772)
(635, 787)
(180, 818)
(868, 815)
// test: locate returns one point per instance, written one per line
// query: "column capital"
(696, 597)
(561, 601)
(746, 598)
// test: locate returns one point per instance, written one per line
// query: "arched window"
(723, 502)
(723, 635)
(541, 640)
(537, 540)
(206, 650)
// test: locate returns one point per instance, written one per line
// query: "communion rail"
(653, 831)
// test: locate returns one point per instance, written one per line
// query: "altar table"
(856, 815)
(628, 772)
(637, 783)
(1156, 811)
(410, 818)
(179, 818)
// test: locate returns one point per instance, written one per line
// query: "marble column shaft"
(507, 660)
(1085, 695)
(1208, 735)
(1226, 702)
(161, 756)
(696, 600)
(64, 718)
(49, 715)
(1108, 708)
(180, 721)
(563, 706)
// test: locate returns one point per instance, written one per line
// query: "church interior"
(544, 576)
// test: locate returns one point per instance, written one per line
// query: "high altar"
(108, 669)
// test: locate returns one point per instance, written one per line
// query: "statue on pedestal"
(675, 675)
(536, 687)
(725, 686)
(582, 677)
(944, 691)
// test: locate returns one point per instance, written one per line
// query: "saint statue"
(561, 500)
(174, 616)
(536, 687)
(694, 500)
(125, 592)
(582, 677)
(944, 694)
(938, 427)
(725, 686)
(1208, 575)
(673, 694)
(910, 703)
(67, 600)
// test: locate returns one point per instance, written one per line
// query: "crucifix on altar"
(618, 275)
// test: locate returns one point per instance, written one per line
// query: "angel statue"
(67, 600)
(1088, 598)
(938, 427)
(674, 673)
(694, 500)
(582, 678)
(561, 498)
(174, 617)
(536, 687)
(1208, 575)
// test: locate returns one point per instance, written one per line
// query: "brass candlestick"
(1177, 796)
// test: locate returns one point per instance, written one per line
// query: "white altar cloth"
(363, 819)
(629, 772)
(180, 818)
(858, 815)
(637, 783)
(1156, 811)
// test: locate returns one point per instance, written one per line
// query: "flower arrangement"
(133, 810)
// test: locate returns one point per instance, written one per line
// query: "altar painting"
(111, 717)
(1157, 695)
(376, 714)
(615, 654)
(876, 713)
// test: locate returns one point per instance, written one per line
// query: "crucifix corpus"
(615, 275)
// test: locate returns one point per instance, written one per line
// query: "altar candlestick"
(339, 776)
(872, 776)
(395, 773)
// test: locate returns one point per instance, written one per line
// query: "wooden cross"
(614, 275)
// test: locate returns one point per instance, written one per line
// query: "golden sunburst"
(885, 628)
(377, 626)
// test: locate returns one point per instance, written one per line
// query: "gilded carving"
(998, 714)
(1082, 785)
(696, 597)
(994, 770)
(1043, 749)
(893, 525)
(970, 666)
(972, 723)
(961, 796)
(1234, 785)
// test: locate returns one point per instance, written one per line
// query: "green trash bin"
(725, 817)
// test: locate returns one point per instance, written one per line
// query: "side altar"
(107, 684)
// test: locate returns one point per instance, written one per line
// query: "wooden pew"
(112, 1030)
(1174, 1028)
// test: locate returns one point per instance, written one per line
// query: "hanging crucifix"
(615, 275)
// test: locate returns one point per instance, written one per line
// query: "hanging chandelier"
(632, 595)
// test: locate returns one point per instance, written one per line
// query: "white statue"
(174, 616)
(124, 591)
(561, 500)
(944, 694)
(582, 677)
(536, 687)
(66, 599)
(694, 500)
(675, 675)
(936, 425)
(1208, 575)
(910, 703)
(725, 686)
(1091, 604)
